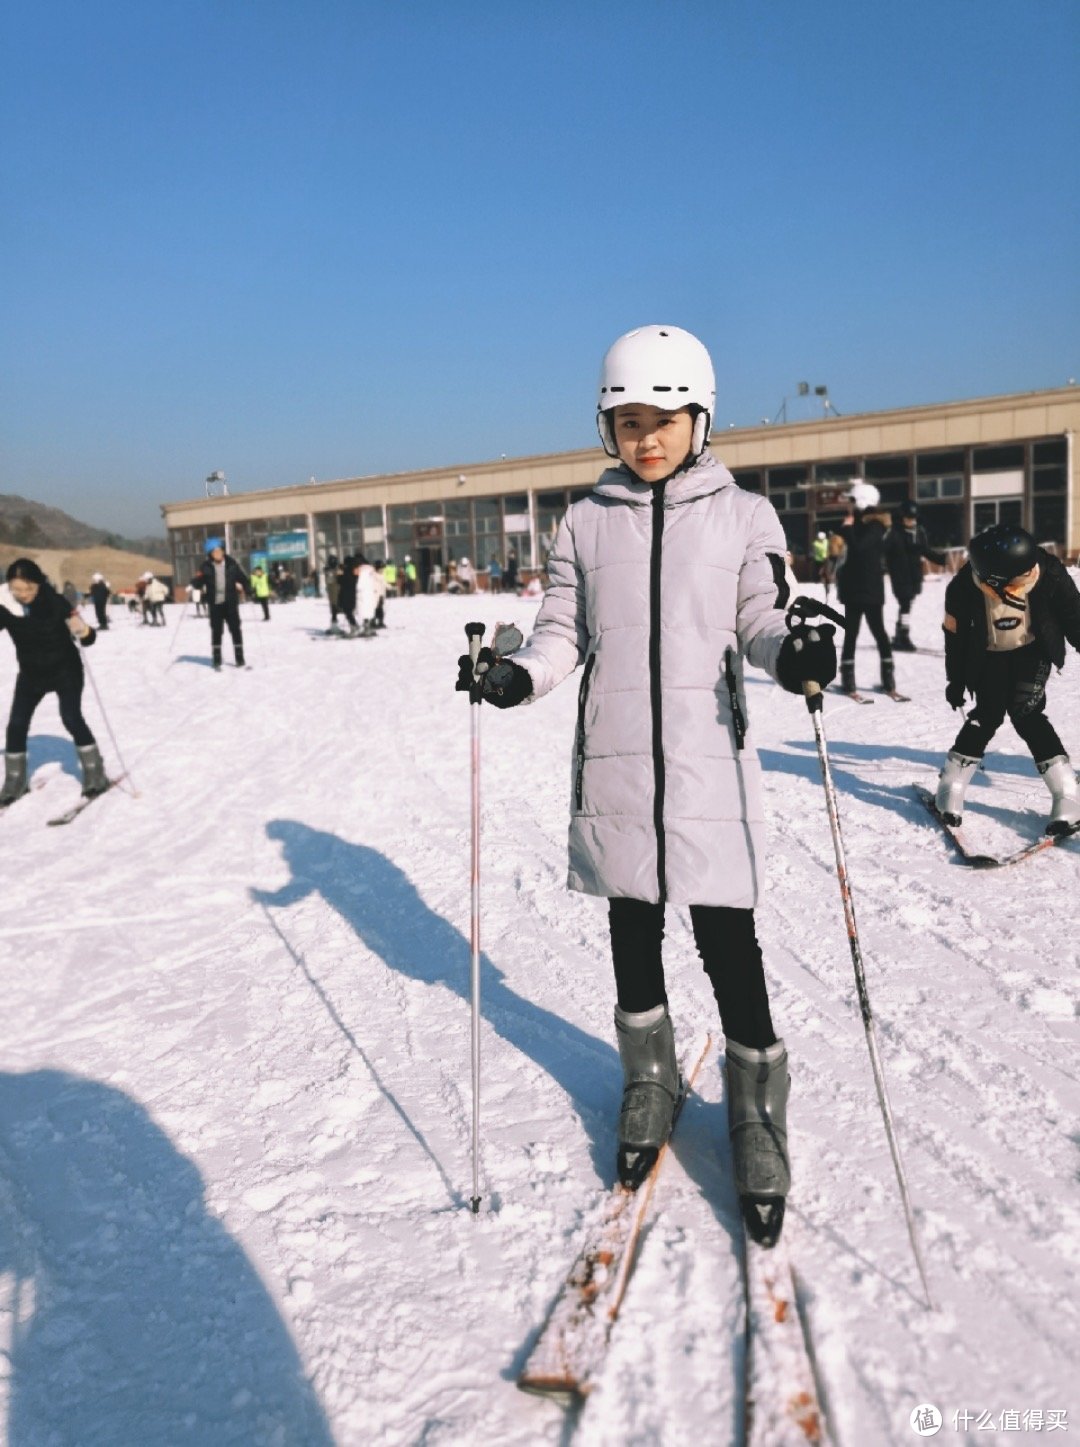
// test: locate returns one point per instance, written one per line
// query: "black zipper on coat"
(655, 691)
(583, 693)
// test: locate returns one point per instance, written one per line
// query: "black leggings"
(1012, 683)
(729, 950)
(222, 614)
(29, 693)
(854, 613)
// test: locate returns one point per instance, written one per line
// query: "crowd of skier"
(663, 583)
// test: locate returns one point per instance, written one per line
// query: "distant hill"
(32, 525)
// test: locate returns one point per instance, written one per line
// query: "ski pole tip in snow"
(474, 1205)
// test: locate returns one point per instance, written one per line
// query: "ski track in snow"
(235, 1100)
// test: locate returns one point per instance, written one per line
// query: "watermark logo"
(925, 1420)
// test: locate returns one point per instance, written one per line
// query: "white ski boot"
(1059, 776)
(650, 1089)
(952, 786)
(757, 1092)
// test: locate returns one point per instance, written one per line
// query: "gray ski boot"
(15, 785)
(847, 675)
(650, 1089)
(93, 771)
(1059, 776)
(952, 786)
(757, 1092)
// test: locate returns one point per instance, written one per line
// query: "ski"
(973, 858)
(569, 1352)
(895, 696)
(84, 803)
(854, 697)
(780, 1391)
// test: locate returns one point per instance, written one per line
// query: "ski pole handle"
(474, 632)
(813, 695)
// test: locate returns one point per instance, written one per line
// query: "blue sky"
(326, 239)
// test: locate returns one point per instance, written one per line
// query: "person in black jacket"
(44, 633)
(224, 584)
(1008, 614)
(860, 582)
(906, 544)
(99, 592)
(347, 593)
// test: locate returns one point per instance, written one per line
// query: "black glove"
(807, 655)
(955, 695)
(502, 683)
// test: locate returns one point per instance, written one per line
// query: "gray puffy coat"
(650, 588)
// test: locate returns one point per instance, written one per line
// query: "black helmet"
(1002, 553)
(909, 510)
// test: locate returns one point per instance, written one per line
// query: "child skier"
(44, 631)
(662, 582)
(1008, 612)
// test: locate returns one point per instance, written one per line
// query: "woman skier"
(44, 633)
(1008, 613)
(662, 582)
(905, 546)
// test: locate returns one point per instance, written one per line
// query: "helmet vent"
(618, 389)
(662, 389)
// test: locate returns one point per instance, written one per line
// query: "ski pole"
(474, 632)
(176, 630)
(814, 701)
(125, 771)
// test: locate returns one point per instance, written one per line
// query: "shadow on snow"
(131, 1314)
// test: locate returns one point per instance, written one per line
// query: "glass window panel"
(1055, 451)
(551, 499)
(880, 469)
(926, 488)
(1049, 479)
(834, 471)
(456, 508)
(952, 487)
(893, 492)
(997, 459)
(933, 464)
(784, 477)
(1048, 520)
(518, 503)
(983, 517)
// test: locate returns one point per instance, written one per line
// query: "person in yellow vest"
(409, 570)
(819, 551)
(390, 578)
(260, 586)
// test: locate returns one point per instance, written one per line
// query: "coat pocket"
(579, 737)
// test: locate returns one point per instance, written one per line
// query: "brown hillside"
(78, 565)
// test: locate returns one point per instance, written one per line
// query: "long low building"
(966, 464)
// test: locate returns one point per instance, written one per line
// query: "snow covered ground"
(235, 1088)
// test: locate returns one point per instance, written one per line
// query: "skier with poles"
(224, 584)
(1008, 614)
(44, 633)
(664, 580)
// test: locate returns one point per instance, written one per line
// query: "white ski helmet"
(664, 366)
(862, 495)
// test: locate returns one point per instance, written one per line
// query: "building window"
(989, 511)
(1048, 520)
(944, 524)
(997, 459)
(929, 489)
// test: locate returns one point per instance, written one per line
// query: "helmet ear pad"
(605, 425)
